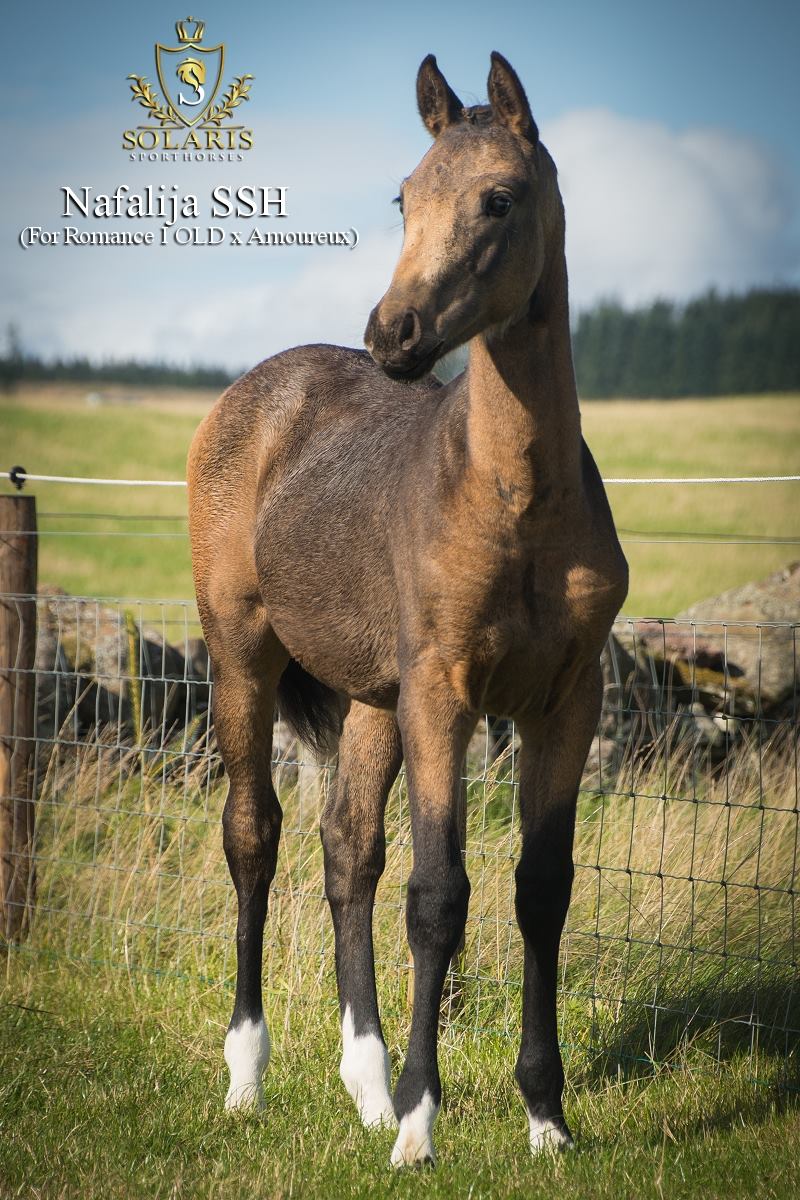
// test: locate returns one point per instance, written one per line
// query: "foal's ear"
(438, 104)
(508, 100)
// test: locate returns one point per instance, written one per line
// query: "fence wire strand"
(20, 477)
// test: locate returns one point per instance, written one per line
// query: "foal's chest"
(526, 631)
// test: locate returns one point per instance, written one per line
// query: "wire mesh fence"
(683, 919)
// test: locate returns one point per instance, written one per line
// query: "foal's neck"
(523, 423)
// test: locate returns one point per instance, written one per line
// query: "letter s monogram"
(193, 72)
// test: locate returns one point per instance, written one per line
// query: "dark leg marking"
(551, 763)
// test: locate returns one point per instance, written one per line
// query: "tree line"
(715, 345)
(20, 366)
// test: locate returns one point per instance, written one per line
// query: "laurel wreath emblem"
(236, 93)
(143, 92)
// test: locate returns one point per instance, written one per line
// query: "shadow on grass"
(714, 1022)
(725, 1113)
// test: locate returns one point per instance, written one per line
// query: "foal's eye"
(398, 200)
(499, 204)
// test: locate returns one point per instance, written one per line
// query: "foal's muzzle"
(398, 343)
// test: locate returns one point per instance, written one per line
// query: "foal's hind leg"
(353, 840)
(247, 660)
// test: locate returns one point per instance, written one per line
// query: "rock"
(707, 679)
(763, 663)
(684, 663)
(162, 679)
(55, 678)
(619, 678)
(706, 728)
(85, 674)
(79, 663)
(197, 659)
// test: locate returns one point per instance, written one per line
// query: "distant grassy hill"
(145, 433)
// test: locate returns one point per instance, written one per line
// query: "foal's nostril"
(410, 330)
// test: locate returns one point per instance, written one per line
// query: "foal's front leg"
(353, 840)
(553, 756)
(435, 732)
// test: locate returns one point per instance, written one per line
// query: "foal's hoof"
(375, 1111)
(243, 1097)
(377, 1118)
(549, 1136)
(414, 1145)
(247, 1051)
(365, 1071)
(411, 1155)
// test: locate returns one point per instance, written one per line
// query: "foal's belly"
(324, 549)
(343, 634)
(332, 603)
(337, 612)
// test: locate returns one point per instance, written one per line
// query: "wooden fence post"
(18, 572)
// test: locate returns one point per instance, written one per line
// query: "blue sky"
(674, 127)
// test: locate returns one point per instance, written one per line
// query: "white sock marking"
(546, 1135)
(366, 1073)
(415, 1138)
(247, 1055)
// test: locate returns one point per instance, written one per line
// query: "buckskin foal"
(390, 558)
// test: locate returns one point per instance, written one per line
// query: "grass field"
(54, 431)
(116, 1090)
(112, 1015)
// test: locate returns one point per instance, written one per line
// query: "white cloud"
(326, 299)
(650, 213)
(654, 213)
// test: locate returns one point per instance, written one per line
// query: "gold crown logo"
(182, 28)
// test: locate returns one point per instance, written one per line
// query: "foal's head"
(480, 212)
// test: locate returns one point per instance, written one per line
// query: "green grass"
(113, 1086)
(57, 434)
(113, 1012)
(112, 1016)
(753, 435)
(52, 431)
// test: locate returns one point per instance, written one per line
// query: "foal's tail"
(311, 709)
